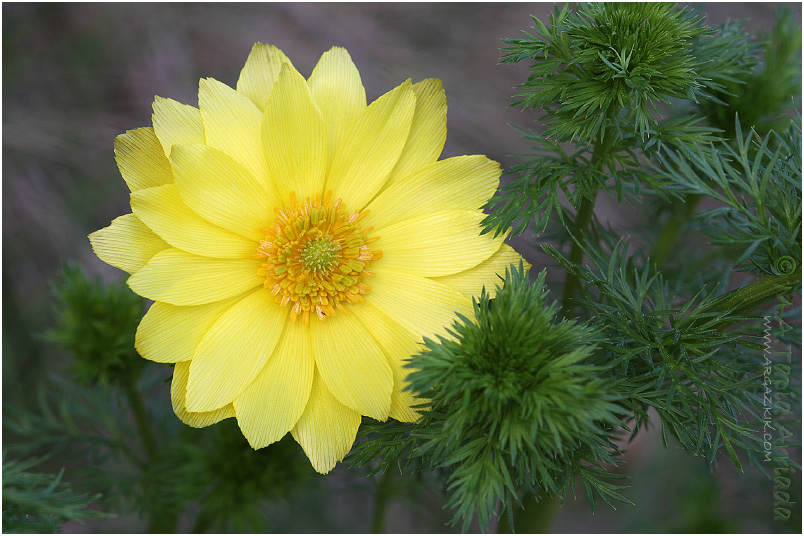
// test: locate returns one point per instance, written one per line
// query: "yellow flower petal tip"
(299, 243)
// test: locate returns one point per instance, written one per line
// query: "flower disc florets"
(316, 257)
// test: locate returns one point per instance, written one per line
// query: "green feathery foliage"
(758, 184)
(97, 323)
(137, 455)
(676, 355)
(37, 503)
(230, 483)
(602, 75)
(212, 471)
(621, 81)
(761, 95)
(607, 59)
(513, 403)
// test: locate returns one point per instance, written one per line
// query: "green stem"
(745, 300)
(382, 497)
(669, 236)
(535, 517)
(163, 520)
(141, 418)
(571, 284)
(201, 525)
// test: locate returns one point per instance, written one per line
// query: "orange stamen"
(315, 257)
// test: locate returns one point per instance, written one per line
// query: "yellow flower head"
(298, 245)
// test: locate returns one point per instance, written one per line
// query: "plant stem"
(163, 520)
(382, 497)
(745, 300)
(571, 284)
(140, 417)
(672, 229)
(201, 525)
(535, 517)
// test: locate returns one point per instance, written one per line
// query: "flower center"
(319, 254)
(316, 257)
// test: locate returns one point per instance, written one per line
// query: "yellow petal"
(176, 124)
(294, 138)
(327, 429)
(140, 158)
(336, 88)
(161, 208)
(459, 183)
(221, 191)
(127, 243)
(259, 73)
(437, 244)
(399, 344)
(169, 334)
(417, 303)
(178, 389)
(489, 273)
(234, 350)
(181, 278)
(272, 405)
(352, 364)
(232, 125)
(428, 131)
(372, 147)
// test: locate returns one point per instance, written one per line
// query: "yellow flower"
(298, 244)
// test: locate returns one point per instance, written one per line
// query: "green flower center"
(319, 254)
(315, 257)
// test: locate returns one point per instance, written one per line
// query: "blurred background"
(77, 75)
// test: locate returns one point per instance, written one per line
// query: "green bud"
(97, 323)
